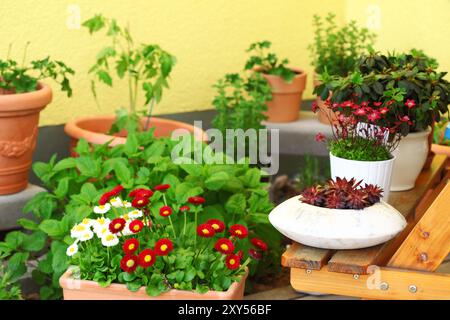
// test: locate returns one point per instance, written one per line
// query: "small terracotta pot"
(286, 97)
(94, 130)
(74, 289)
(440, 149)
(19, 121)
(326, 115)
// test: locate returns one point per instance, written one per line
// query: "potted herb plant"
(342, 214)
(23, 96)
(336, 50)
(408, 95)
(441, 137)
(135, 250)
(145, 67)
(287, 84)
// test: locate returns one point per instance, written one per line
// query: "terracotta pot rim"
(66, 278)
(440, 149)
(35, 100)
(301, 73)
(73, 129)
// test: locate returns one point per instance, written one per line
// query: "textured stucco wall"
(208, 37)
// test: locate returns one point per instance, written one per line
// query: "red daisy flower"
(259, 244)
(410, 103)
(238, 230)
(141, 192)
(224, 246)
(377, 104)
(147, 258)
(162, 187)
(205, 230)
(165, 211)
(320, 137)
(240, 254)
(217, 225)
(347, 104)
(384, 110)
(117, 225)
(163, 247)
(196, 200)
(116, 190)
(184, 208)
(254, 254)
(105, 198)
(130, 245)
(139, 202)
(360, 112)
(374, 116)
(232, 261)
(136, 226)
(129, 263)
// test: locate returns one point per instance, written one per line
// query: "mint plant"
(268, 62)
(21, 77)
(145, 67)
(337, 50)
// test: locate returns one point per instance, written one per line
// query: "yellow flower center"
(125, 216)
(79, 228)
(130, 263)
(166, 212)
(239, 232)
(117, 226)
(104, 230)
(232, 262)
(140, 201)
(148, 258)
(72, 249)
(109, 237)
(215, 226)
(164, 247)
(205, 231)
(136, 228)
(85, 221)
(131, 246)
(224, 247)
(101, 207)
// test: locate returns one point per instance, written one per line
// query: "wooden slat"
(432, 286)
(429, 242)
(358, 261)
(301, 256)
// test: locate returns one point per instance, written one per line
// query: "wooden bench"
(402, 268)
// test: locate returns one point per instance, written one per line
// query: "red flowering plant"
(154, 241)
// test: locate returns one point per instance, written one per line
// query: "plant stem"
(173, 228)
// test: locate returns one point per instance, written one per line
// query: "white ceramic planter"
(335, 228)
(410, 157)
(370, 172)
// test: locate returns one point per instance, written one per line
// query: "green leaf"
(104, 77)
(185, 190)
(35, 241)
(60, 260)
(15, 239)
(52, 227)
(190, 274)
(63, 188)
(153, 290)
(27, 224)
(131, 145)
(87, 166)
(217, 181)
(65, 164)
(192, 169)
(236, 204)
(123, 173)
(94, 24)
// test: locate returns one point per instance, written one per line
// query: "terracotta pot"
(94, 129)
(19, 120)
(325, 114)
(440, 149)
(74, 289)
(286, 97)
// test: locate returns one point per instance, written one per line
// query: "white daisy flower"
(72, 249)
(100, 223)
(126, 230)
(78, 230)
(110, 240)
(135, 214)
(126, 216)
(126, 204)
(88, 235)
(116, 202)
(102, 231)
(102, 209)
(87, 222)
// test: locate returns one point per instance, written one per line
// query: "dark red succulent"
(313, 195)
(335, 200)
(373, 193)
(357, 199)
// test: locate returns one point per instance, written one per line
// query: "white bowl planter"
(337, 228)
(410, 157)
(370, 172)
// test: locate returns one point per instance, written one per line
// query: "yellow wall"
(208, 37)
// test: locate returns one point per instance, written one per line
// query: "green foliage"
(20, 78)
(146, 67)
(75, 185)
(312, 172)
(359, 149)
(10, 274)
(439, 132)
(393, 80)
(337, 50)
(268, 62)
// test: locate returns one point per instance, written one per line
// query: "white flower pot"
(337, 228)
(410, 157)
(370, 172)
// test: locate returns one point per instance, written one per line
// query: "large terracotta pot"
(74, 289)
(411, 155)
(286, 97)
(94, 129)
(19, 120)
(325, 114)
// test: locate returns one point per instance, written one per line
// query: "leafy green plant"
(439, 132)
(145, 66)
(406, 89)
(10, 274)
(21, 77)
(337, 50)
(268, 62)
(235, 194)
(312, 172)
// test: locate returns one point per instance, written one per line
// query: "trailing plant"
(342, 194)
(19, 77)
(405, 88)
(145, 66)
(336, 50)
(235, 195)
(155, 241)
(268, 62)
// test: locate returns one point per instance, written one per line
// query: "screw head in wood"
(412, 288)
(308, 271)
(423, 256)
(384, 286)
(356, 276)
